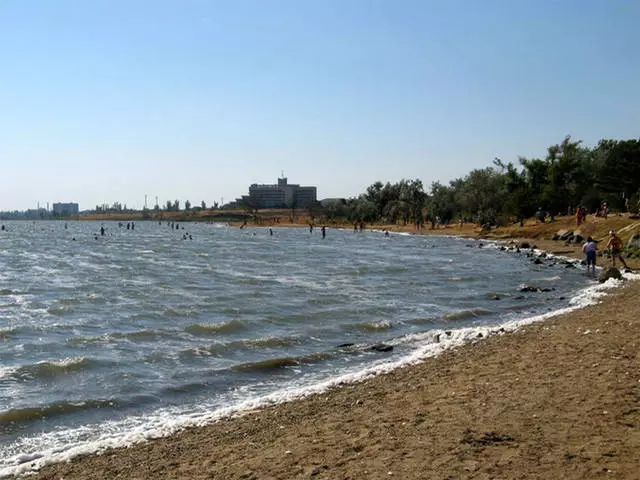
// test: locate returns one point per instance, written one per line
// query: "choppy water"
(107, 340)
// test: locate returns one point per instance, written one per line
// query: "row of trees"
(570, 175)
(170, 206)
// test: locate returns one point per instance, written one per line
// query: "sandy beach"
(556, 399)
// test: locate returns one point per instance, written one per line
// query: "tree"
(618, 176)
(176, 205)
(203, 205)
(187, 205)
(482, 194)
(441, 204)
(169, 206)
(518, 201)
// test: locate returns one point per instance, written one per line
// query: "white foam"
(6, 371)
(165, 422)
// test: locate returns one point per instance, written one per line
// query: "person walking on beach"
(589, 249)
(580, 214)
(615, 247)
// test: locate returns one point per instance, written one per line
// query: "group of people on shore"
(614, 245)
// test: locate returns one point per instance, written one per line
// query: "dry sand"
(557, 399)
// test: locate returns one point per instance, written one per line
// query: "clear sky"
(109, 100)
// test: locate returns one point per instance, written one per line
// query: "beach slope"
(556, 399)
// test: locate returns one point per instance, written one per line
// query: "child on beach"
(589, 248)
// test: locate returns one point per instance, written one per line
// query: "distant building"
(65, 209)
(282, 195)
(36, 213)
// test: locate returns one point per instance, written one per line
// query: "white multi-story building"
(282, 195)
(65, 209)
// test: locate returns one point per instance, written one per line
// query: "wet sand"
(557, 399)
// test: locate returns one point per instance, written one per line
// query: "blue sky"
(104, 101)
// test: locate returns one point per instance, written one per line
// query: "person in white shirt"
(590, 248)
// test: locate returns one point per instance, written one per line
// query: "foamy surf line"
(164, 422)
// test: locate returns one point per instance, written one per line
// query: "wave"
(280, 363)
(423, 320)
(457, 279)
(138, 335)
(269, 342)
(372, 326)
(474, 312)
(18, 416)
(6, 333)
(47, 369)
(204, 329)
(8, 291)
(253, 343)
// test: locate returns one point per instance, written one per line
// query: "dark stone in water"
(531, 288)
(346, 345)
(448, 333)
(537, 261)
(524, 245)
(381, 347)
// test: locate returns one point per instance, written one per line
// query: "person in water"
(102, 231)
(589, 249)
(615, 247)
(324, 231)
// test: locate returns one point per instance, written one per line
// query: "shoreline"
(214, 443)
(558, 399)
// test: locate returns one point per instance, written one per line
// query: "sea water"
(110, 339)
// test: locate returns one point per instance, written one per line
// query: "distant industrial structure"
(280, 195)
(65, 209)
